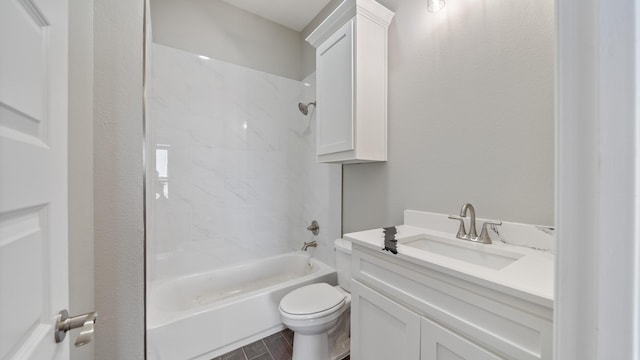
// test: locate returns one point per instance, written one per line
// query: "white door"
(33, 177)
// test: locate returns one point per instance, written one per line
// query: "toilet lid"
(311, 299)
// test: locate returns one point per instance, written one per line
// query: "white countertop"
(530, 277)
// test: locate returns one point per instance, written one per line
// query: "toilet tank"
(343, 263)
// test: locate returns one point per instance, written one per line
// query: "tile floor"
(278, 346)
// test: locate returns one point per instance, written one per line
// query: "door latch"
(65, 323)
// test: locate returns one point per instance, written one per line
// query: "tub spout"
(309, 244)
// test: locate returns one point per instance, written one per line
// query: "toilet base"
(310, 347)
(333, 344)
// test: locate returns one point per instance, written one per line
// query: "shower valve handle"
(314, 227)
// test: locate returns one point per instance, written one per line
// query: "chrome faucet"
(472, 235)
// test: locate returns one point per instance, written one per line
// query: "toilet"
(319, 314)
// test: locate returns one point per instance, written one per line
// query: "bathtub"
(204, 315)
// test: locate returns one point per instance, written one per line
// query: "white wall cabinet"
(402, 310)
(351, 80)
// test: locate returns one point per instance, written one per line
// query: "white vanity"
(444, 298)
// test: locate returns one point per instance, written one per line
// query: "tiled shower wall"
(232, 170)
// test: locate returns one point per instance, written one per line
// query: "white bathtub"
(201, 316)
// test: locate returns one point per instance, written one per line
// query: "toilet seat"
(312, 301)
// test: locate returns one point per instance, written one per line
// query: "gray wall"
(224, 32)
(117, 181)
(81, 298)
(471, 108)
(470, 102)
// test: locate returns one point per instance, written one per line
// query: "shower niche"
(351, 74)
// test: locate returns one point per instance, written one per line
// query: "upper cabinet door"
(351, 75)
(334, 62)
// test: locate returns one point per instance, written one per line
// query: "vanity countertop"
(529, 277)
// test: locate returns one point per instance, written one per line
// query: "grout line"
(289, 341)
(284, 340)
(269, 350)
(266, 347)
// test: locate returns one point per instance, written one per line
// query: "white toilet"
(319, 313)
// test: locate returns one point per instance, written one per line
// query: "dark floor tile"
(255, 349)
(288, 335)
(234, 355)
(266, 356)
(278, 347)
(347, 358)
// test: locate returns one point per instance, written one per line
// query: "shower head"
(304, 108)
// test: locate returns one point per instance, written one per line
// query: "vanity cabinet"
(439, 343)
(381, 328)
(351, 83)
(405, 310)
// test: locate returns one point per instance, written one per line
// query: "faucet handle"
(484, 234)
(462, 232)
(314, 227)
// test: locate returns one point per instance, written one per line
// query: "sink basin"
(478, 254)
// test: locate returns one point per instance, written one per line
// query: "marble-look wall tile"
(323, 184)
(241, 178)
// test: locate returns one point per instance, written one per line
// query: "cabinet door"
(381, 329)
(438, 343)
(334, 113)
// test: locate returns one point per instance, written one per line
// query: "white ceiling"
(294, 14)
